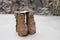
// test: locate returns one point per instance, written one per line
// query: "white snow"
(47, 28)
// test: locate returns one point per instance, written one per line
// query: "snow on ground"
(48, 28)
